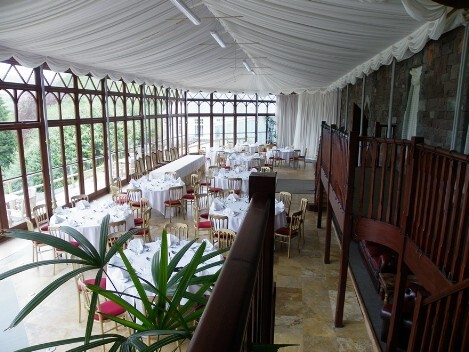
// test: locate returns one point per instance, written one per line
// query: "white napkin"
(59, 210)
(279, 206)
(133, 183)
(217, 204)
(59, 219)
(253, 169)
(136, 245)
(82, 204)
(208, 245)
(180, 182)
(233, 197)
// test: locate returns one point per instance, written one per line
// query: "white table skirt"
(88, 221)
(183, 167)
(236, 211)
(157, 191)
(221, 179)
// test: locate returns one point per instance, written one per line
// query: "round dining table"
(235, 209)
(87, 218)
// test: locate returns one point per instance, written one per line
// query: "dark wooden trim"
(379, 232)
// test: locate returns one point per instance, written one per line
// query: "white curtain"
(287, 107)
(409, 127)
(312, 110)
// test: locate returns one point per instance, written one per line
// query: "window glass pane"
(11, 174)
(99, 155)
(229, 130)
(85, 107)
(205, 131)
(27, 106)
(240, 129)
(7, 107)
(87, 154)
(52, 106)
(68, 107)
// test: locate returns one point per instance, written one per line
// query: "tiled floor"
(306, 292)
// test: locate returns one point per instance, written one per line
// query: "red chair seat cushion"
(283, 231)
(120, 201)
(45, 228)
(190, 191)
(172, 202)
(215, 189)
(109, 308)
(138, 221)
(204, 224)
(75, 243)
(135, 204)
(92, 281)
(188, 196)
(204, 216)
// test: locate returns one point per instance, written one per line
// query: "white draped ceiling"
(294, 45)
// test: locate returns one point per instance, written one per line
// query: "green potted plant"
(171, 317)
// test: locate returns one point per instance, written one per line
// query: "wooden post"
(262, 182)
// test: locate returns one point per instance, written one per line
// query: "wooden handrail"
(447, 292)
(226, 319)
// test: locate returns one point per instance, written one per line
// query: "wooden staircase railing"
(436, 330)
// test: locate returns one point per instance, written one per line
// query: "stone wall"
(440, 61)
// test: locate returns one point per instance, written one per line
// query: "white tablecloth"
(221, 179)
(184, 166)
(242, 159)
(141, 262)
(88, 221)
(284, 153)
(236, 211)
(156, 190)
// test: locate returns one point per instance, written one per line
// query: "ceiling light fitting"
(218, 39)
(186, 11)
(248, 67)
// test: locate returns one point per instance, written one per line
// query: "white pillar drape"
(409, 126)
(287, 107)
(312, 110)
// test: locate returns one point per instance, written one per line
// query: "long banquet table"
(183, 167)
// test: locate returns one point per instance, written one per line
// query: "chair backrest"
(113, 237)
(285, 197)
(194, 179)
(75, 199)
(235, 184)
(120, 198)
(265, 169)
(117, 182)
(134, 195)
(176, 193)
(224, 237)
(295, 222)
(138, 167)
(57, 232)
(221, 159)
(303, 207)
(154, 159)
(41, 215)
(160, 156)
(306, 152)
(29, 224)
(167, 155)
(178, 229)
(148, 162)
(219, 222)
(201, 204)
(255, 162)
(117, 226)
(174, 153)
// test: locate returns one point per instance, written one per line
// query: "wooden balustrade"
(413, 199)
(240, 310)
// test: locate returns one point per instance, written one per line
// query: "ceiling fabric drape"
(287, 108)
(290, 45)
(312, 110)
